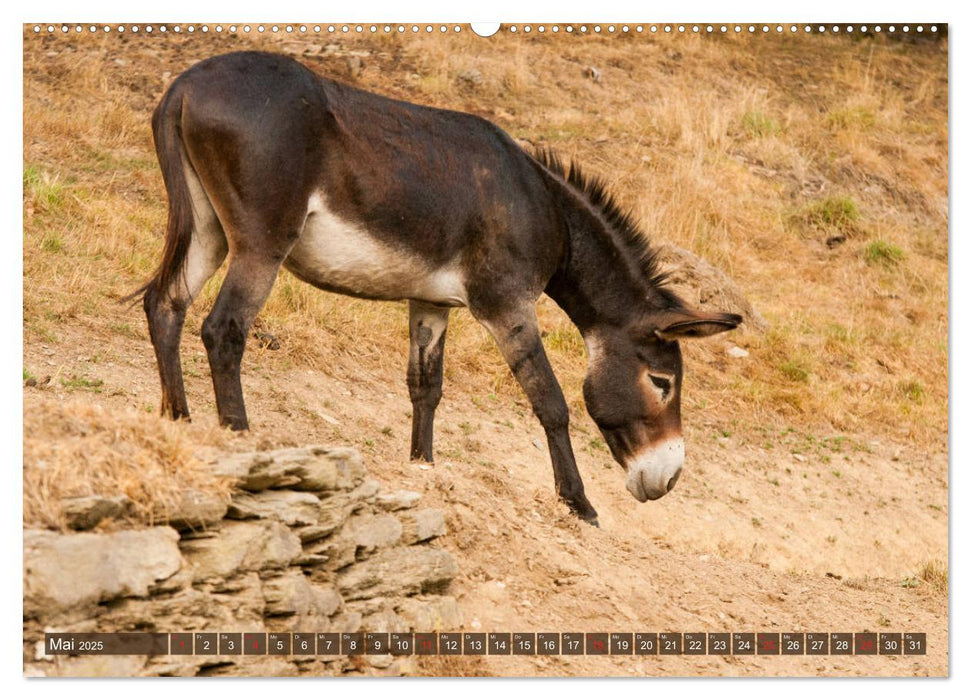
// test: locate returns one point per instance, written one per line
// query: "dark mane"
(620, 223)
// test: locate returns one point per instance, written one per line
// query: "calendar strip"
(488, 643)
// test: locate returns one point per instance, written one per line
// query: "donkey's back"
(272, 165)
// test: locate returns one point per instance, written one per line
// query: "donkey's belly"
(341, 256)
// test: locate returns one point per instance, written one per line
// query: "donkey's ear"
(695, 324)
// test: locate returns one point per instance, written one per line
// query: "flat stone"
(372, 531)
(737, 352)
(400, 571)
(288, 594)
(290, 507)
(334, 512)
(242, 546)
(314, 468)
(327, 600)
(86, 512)
(397, 500)
(441, 613)
(69, 571)
(423, 525)
(705, 287)
(313, 533)
(338, 552)
(196, 510)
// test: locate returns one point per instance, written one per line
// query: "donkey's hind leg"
(248, 282)
(166, 308)
(427, 330)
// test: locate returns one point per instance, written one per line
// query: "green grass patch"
(851, 117)
(757, 125)
(840, 213)
(913, 390)
(883, 253)
(76, 383)
(44, 189)
(566, 340)
(795, 369)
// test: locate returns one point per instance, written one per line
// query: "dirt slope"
(728, 550)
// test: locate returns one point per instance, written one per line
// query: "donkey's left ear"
(695, 324)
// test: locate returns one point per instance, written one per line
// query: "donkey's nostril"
(674, 479)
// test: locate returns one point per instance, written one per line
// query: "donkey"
(271, 165)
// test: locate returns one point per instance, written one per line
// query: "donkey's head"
(633, 392)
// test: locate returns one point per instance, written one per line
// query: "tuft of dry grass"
(74, 449)
(934, 573)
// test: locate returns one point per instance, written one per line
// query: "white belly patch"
(338, 254)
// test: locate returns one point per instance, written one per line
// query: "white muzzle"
(655, 471)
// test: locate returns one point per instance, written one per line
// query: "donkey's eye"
(662, 383)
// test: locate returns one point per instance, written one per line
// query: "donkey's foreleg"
(248, 282)
(517, 335)
(427, 328)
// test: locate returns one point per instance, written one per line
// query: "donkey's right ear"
(696, 324)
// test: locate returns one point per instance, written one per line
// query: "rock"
(354, 66)
(62, 572)
(338, 552)
(197, 510)
(470, 78)
(240, 547)
(266, 340)
(290, 507)
(737, 352)
(423, 525)
(402, 571)
(313, 468)
(288, 594)
(366, 492)
(309, 535)
(95, 666)
(397, 500)
(86, 512)
(704, 287)
(346, 622)
(372, 531)
(292, 594)
(334, 512)
(382, 661)
(438, 614)
(327, 600)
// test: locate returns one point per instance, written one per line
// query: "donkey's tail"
(178, 231)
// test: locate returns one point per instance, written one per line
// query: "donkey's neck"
(597, 282)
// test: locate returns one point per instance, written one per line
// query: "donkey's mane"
(621, 226)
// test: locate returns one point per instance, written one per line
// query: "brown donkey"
(270, 164)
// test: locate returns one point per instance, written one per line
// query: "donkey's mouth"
(636, 487)
(655, 471)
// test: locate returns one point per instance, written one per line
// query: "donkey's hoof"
(587, 515)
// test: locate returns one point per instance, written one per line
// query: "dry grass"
(934, 573)
(74, 449)
(751, 152)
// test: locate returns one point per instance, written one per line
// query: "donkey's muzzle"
(656, 470)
